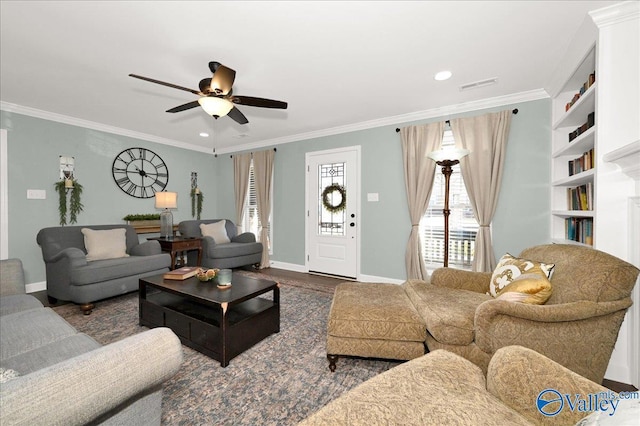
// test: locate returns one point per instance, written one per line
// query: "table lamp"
(166, 200)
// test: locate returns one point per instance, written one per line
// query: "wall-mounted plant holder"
(196, 196)
(68, 183)
(67, 167)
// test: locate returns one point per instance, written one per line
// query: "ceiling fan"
(215, 95)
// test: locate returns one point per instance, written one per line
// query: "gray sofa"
(243, 249)
(71, 277)
(54, 375)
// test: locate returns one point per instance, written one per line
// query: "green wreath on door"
(326, 201)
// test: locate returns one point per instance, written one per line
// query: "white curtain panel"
(486, 137)
(419, 172)
(263, 172)
(241, 165)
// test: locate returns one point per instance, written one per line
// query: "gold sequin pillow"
(534, 289)
(509, 268)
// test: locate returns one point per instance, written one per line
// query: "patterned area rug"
(279, 381)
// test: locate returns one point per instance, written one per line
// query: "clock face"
(140, 172)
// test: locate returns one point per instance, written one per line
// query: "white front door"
(333, 209)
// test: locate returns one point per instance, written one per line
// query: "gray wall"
(33, 148)
(522, 217)
(34, 145)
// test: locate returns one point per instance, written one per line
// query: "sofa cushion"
(448, 313)
(50, 354)
(216, 230)
(533, 289)
(222, 251)
(17, 303)
(109, 269)
(509, 268)
(374, 311)
(24, 331)
(105, 244)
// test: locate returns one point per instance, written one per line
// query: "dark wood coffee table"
(220, 323)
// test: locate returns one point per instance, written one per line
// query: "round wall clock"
(140, 172)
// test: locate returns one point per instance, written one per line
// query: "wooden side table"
(175, 245)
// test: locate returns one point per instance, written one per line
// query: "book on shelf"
(579, 229)
(580, 197)
(181, 273)
(582, 163)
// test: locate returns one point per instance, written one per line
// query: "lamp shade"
(215, 106)
(166, 200)
(449, 153)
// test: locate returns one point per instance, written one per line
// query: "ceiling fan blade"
(205, 85)
(258, 102)
(236, 115)
(184, 107)
(174, 86)
(213, 66)
(222, 80)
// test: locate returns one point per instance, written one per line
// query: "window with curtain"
(250, 217)
(463, 226)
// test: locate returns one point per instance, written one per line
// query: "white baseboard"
(34, 287)
(363, 278)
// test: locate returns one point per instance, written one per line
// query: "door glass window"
(332, 197)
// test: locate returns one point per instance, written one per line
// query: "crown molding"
(616, 13)
(445, 111)
(65, 119)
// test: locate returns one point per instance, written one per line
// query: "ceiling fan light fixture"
(215, 106)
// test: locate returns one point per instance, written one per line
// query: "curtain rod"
(515, 111)
(231, 156)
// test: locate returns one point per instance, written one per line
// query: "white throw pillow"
(216, 230)
(105, 244)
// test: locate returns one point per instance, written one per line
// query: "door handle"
(352, 224)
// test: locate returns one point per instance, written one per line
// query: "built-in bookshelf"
(573, 210)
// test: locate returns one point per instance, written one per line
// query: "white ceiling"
(339, 65)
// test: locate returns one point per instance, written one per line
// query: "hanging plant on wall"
(196, 202)
(328, 198)
(75, 205)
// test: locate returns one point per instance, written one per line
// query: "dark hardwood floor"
(332, 282)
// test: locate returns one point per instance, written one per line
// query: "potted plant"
(75, 205)
(145, 219)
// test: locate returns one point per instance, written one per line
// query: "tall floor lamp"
(447, 158)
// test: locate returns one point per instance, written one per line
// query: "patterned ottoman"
(374, 320)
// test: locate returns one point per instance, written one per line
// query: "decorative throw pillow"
(534, 289)
(216, 230)
(7, 374)
(105, 244)
(509, 268)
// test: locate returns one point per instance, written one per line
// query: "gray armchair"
(71, 277)
(241, 251)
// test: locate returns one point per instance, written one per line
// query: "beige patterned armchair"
(577, 327)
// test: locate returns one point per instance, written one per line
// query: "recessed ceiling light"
(443, 75)
(204, 134)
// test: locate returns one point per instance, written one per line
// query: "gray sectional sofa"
(241, 250)
(71, 276)
(51, 374)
